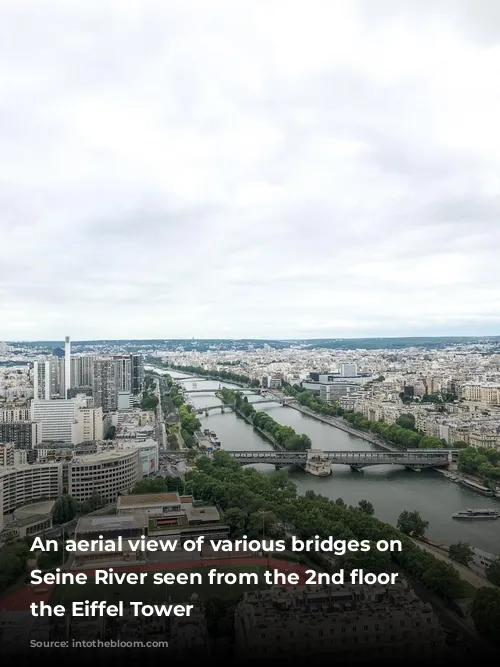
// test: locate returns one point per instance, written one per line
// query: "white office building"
(57, 418)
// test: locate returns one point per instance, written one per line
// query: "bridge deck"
(415, 458)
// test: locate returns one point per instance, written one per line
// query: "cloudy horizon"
(264, 169)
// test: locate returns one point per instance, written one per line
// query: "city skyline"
(249, 170)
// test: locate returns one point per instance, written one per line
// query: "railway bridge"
(356, 460)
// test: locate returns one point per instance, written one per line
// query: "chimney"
(67, 366)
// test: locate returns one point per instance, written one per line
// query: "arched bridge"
(356, 460)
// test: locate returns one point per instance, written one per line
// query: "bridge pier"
(356, 468)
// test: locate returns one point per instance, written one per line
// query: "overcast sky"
(272, 169)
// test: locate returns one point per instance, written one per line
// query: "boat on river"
(477, 514)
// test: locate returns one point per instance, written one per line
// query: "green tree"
(406, 421)
(493, 572)
(149, 401)
(95, 502)
(461, 552)
(11, 568)
(412, 524)
(65, 509)
(485, 612)
(48, 559)
(366, 507)
(150, 485)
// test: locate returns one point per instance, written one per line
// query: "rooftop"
(93, 524)
(89, 459)
(202, 514)
(27, 521)
(145, 499)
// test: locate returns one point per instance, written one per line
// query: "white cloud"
(265, 168)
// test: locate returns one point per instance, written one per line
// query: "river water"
(391, 489)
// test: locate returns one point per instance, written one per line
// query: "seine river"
(390, 489)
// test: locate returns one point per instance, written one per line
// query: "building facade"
(28, 483)
(56, 417)
(25, 435)
(107, 474)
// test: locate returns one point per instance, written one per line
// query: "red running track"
(21, 599)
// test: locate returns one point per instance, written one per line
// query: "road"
(465, 573)
(161, 433)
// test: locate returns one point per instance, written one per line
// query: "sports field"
(151, 592)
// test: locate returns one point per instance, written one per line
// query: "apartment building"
(7, 454)
(13, 412)
(486, 393)
(349, 622)
(106, 384)
(27, 483)
(25, 434)
(46, 379)
(107, 474)
(88, 425)
(114, 377)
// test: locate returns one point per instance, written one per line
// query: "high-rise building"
(137, 373)
(123, 372)
(117, 376)
(67, 366)
(106, 384)
(82, 371)
(46, 379)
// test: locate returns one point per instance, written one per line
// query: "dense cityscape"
(85, 427)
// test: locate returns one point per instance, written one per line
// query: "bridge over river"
(412, 459)
(214, 391)
(222, 407)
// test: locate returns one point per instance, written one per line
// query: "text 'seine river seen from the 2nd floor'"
(391, 489)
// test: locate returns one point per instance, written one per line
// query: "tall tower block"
(67, 366)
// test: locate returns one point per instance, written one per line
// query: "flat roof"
(143, 499)
(93, 524)
(26, 511)
(27, 521)
(202, 513)
(109, 455)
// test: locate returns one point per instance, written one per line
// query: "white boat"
(476, 514)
